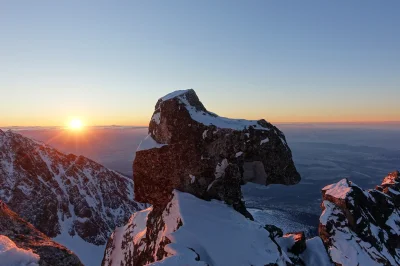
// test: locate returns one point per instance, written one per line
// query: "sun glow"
(75, 124)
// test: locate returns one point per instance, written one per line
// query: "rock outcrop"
(72, 195)
(190, 168)
(27, 237)
(193, 150)
(362, 227)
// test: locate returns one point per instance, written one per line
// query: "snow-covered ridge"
(208, 118)
(173, 95)
(338, 190)
(78, 201)
(11, 255)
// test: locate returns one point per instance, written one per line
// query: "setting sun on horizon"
(75, 124)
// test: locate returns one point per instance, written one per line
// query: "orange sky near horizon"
(143, 120)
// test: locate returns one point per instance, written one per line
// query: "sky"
(107, 62)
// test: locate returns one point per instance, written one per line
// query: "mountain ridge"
(76, 199)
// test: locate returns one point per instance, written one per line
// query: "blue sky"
(107, 62)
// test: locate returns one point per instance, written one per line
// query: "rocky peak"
(391, 186)
(26, 236)
(74, 196)
(196, 151)
(361, 227)
(189, 156)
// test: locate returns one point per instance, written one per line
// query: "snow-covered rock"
(23, 244)
(187, 140)
(191, 231)
(191, 168)
(72, 199)
(361, 227)
(11, 255)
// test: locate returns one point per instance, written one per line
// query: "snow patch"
(149, 143)
(264, 141)
(238, 154)
(11, 255)
(156, 118)
(338, 190)
(220, 168)
(192, 178)
(173, 95)
(205, 134)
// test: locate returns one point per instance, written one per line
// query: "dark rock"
(196, 151)
(273, 230)
(299, 242)
(26, 236)
(190, 149)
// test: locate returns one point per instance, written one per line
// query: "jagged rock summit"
(25, 237)
(361, 227)
(196, 151)
(190, 168)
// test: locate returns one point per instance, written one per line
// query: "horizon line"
(278, 123)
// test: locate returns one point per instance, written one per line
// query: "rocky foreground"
(32, 246)
(191, 167)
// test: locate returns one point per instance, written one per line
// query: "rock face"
(192, 155)
(25, 236)
(193, 150)
(63, 195)
(362, 227)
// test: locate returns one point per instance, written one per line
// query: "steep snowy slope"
(11, 255)
(191, 231)
(70, 198)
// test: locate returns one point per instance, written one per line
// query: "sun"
(75, 124)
